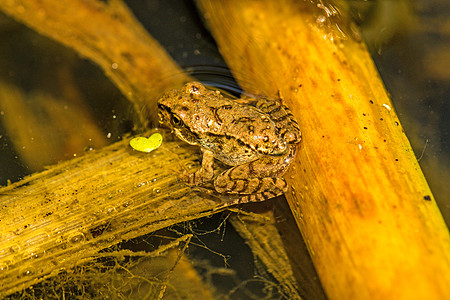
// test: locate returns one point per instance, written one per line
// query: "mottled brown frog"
(257, 137)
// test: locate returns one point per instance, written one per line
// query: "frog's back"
(251, 127)
(234, 132)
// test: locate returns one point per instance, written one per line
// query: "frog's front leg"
(205, 173)
(255, 181)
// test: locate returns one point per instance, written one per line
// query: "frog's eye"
(176, 120)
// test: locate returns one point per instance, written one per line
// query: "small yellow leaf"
(144, 144)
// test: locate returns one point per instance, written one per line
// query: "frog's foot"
(248, 199)
(199, 177)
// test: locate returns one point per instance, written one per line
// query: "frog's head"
(168, 118)
(176, 110)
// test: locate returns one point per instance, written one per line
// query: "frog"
(256, 137)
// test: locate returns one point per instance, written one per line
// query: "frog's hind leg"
(255, 181)
(247, 199)
(229, 183)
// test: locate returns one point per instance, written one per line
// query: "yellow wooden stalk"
(357, 192)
